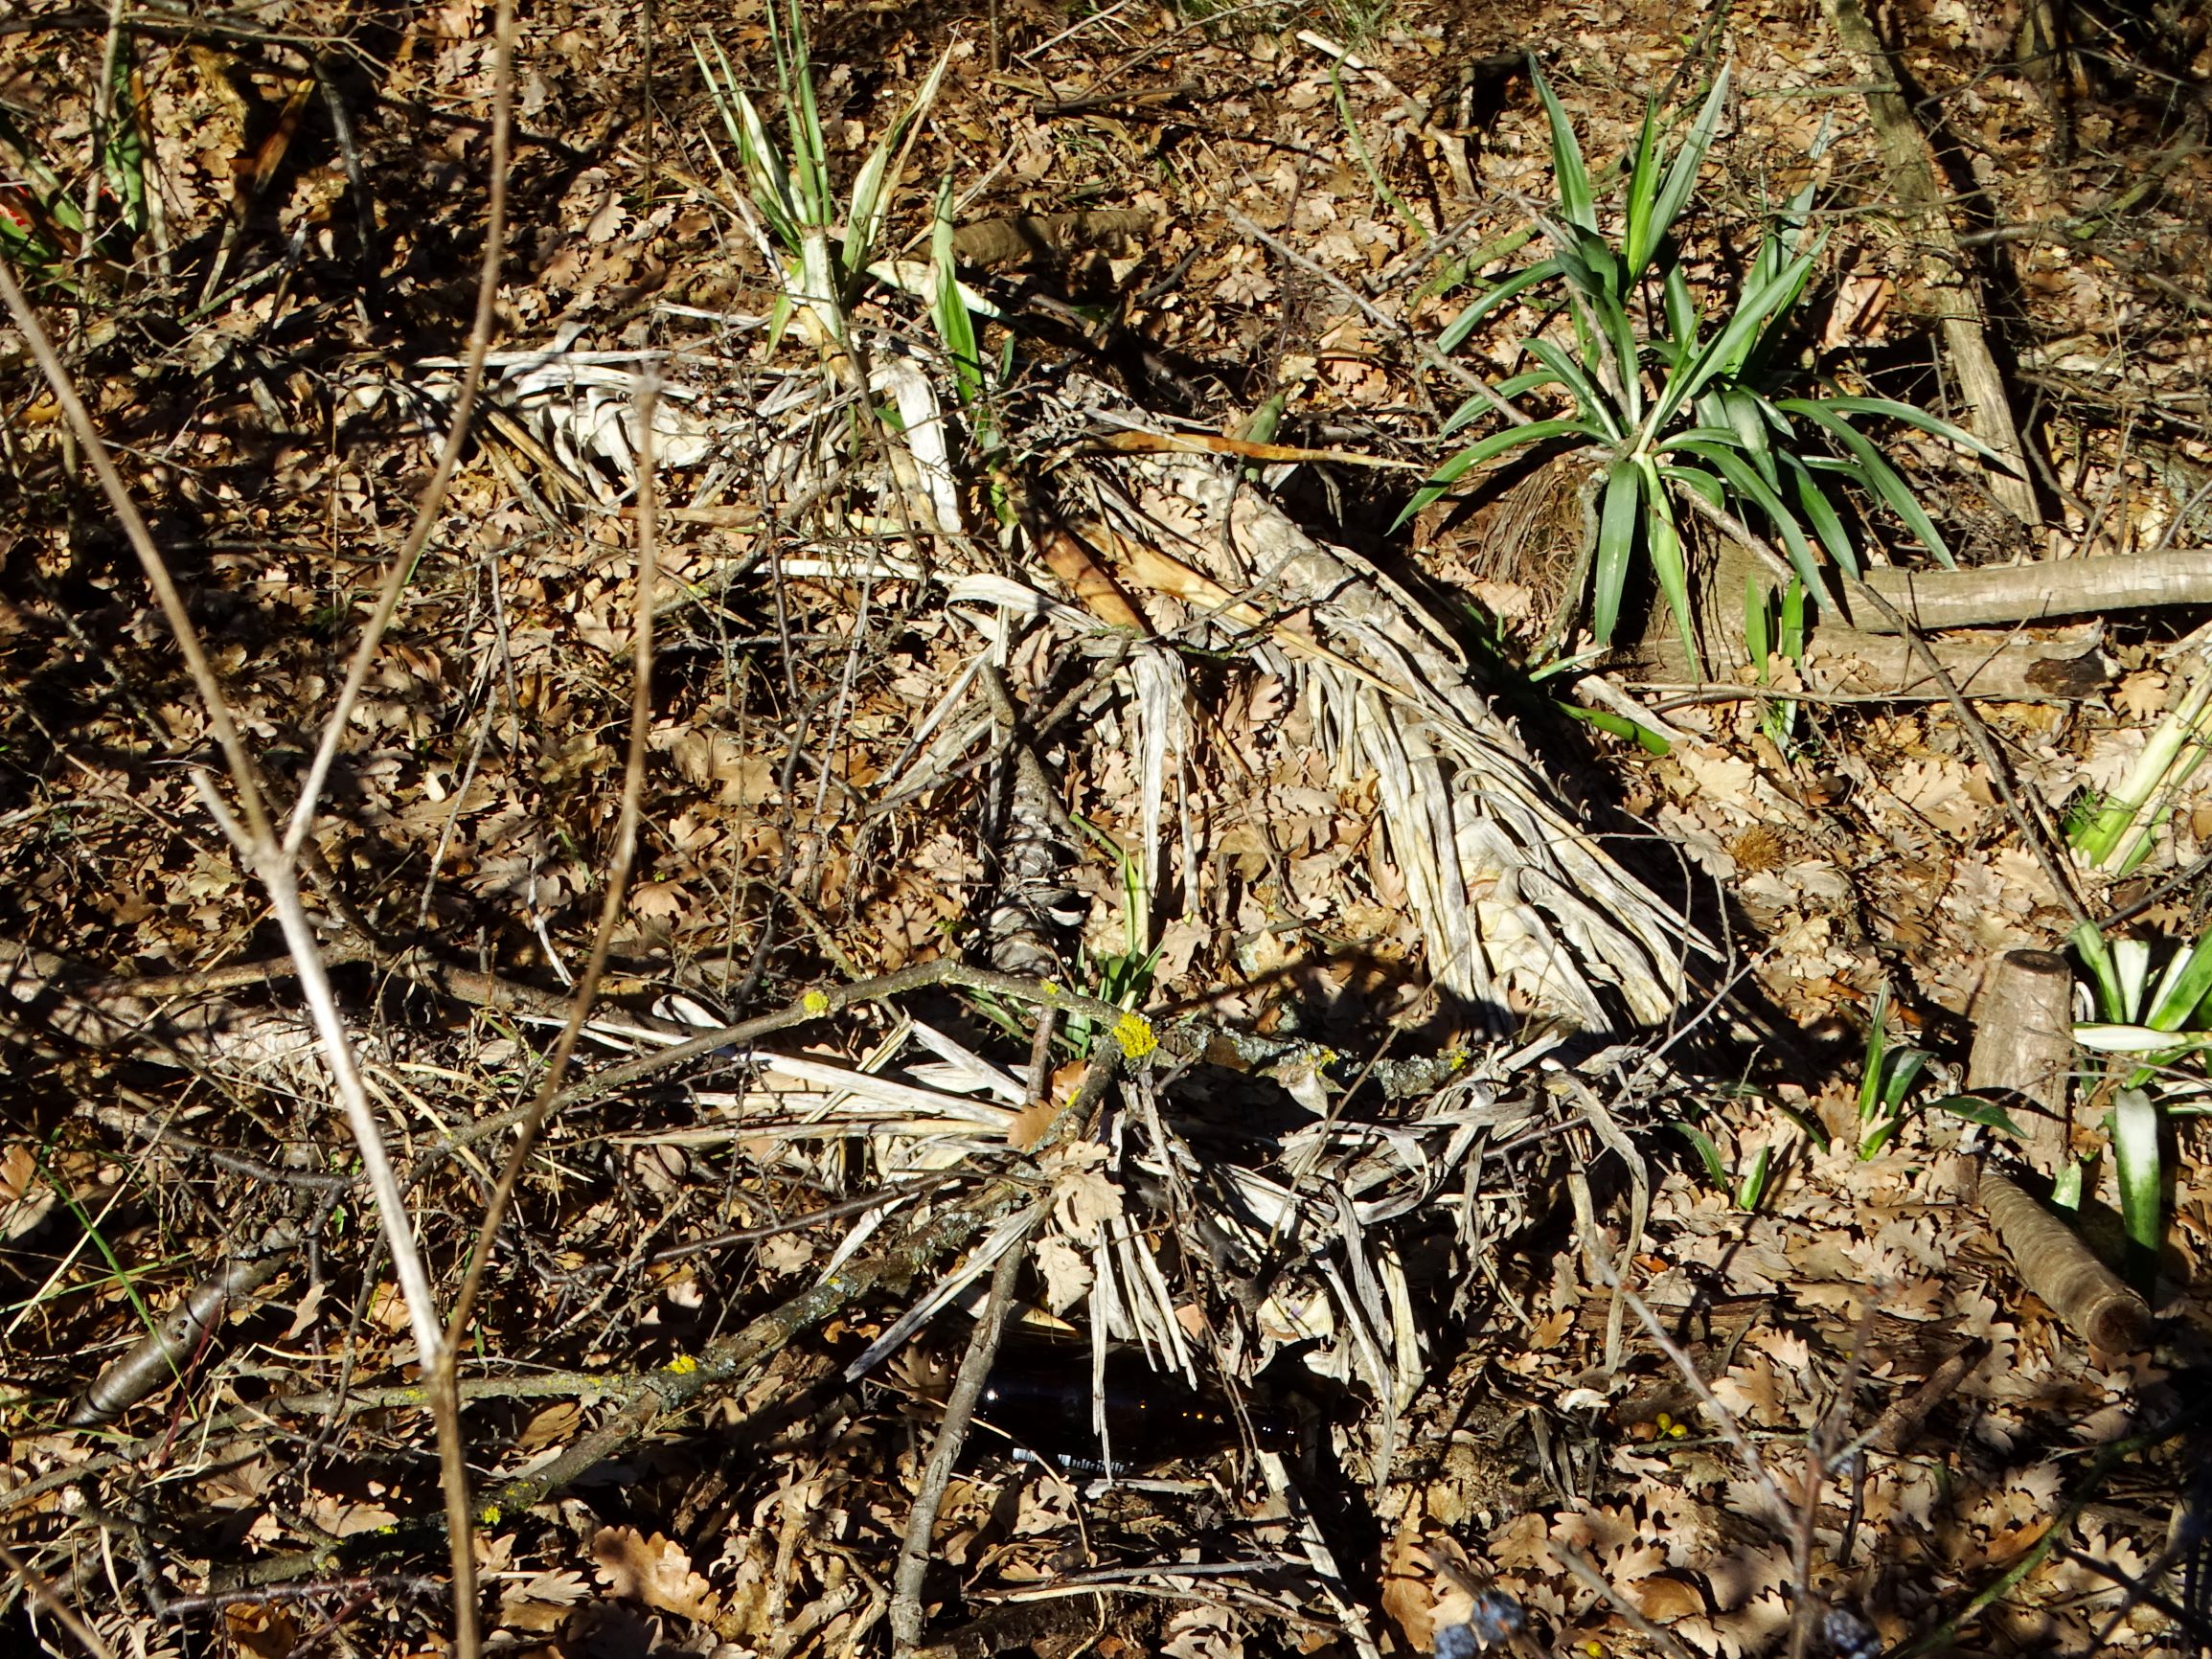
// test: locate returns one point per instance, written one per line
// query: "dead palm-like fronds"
(1516, 898)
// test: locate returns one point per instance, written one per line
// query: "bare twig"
(951, 1435)
(447, 1402)
(1587, 1570)
(45, 1595)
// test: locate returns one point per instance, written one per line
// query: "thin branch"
(47, 1597)
(951, 1435)
(458, 1516)
(433, 499)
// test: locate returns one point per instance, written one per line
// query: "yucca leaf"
(1870, 1062)
(2188, 978)
(2134, 1130)
(1593, 404)
(1750, 365)
(1515, 385)
(1933, 425)
(2100, 1038)
(1456, 331)
(1697, 478)
(1743, 411)
(866, 216)
(1900, 1075)
(1682, 176)
(955, 326)
(1683, 318)
(1728, 346)
(1758, 642)
(1814, 504)
(1876, 473)
(1643, 189)
(1576, 200)
(1665, 545)
(1488, 449)
(1753, 1186)
(879, 179)
(1694, 434)
(2096, 956)
(1507, 390)
(1616, 540)
(1977, 1110)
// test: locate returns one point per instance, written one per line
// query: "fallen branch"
(692, 1379)
(1950, 293)
(2054, 1263)
(2028, 593)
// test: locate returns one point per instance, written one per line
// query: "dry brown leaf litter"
(1917, 870)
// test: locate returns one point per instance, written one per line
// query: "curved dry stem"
(427, 511)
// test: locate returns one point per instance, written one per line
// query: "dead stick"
(2023, 1046)
(2054, 1263)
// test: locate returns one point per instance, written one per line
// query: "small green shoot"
(792, 192)
(42, 225)
(1886, 1078)
(1890, 1072)
(2115, 834)
(1745, 1190)
(1122, 977)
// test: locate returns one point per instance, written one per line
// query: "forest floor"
(1084, 850)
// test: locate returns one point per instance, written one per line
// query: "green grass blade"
(1576, 199)
(1488, 449)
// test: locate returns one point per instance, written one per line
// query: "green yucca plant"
(1671, 395)
(2165, 1026)
(832, 244)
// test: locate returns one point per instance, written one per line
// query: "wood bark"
(1844, 660)
(2034, 592)
(2054, 1263)
(2023, 1047)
